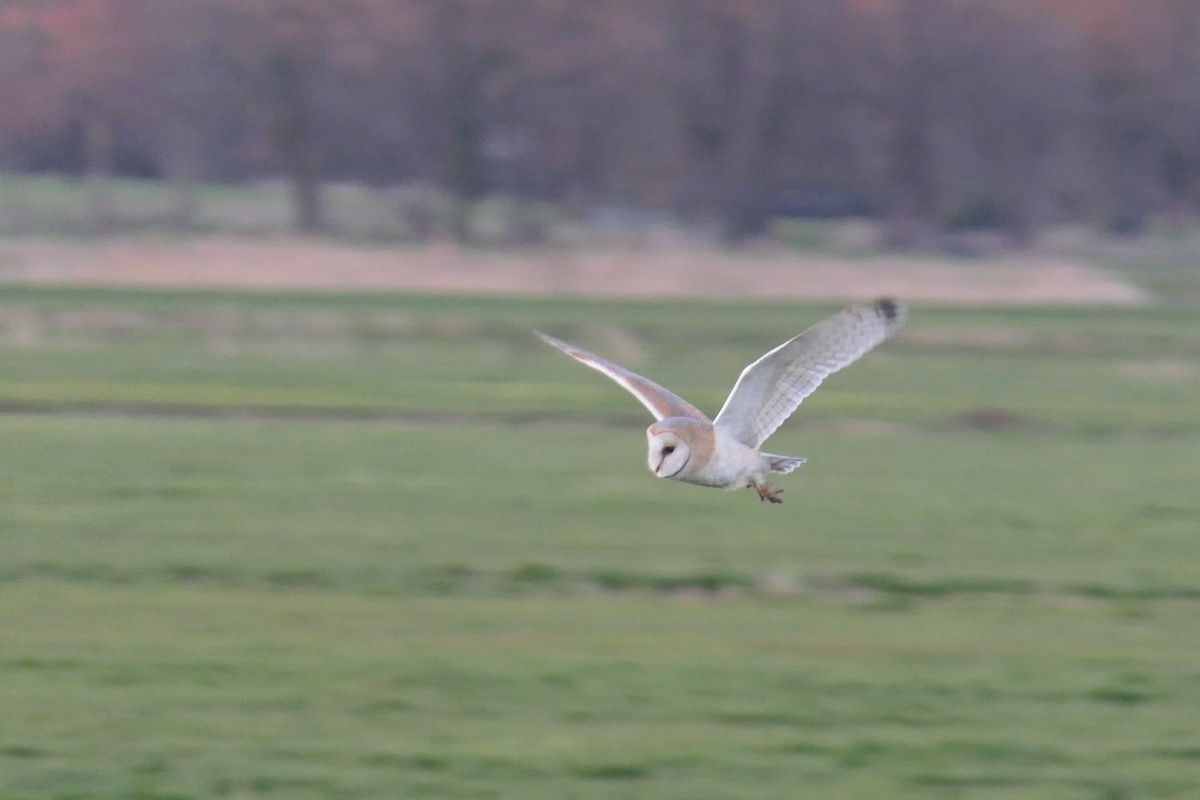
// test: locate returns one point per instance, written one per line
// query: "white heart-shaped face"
(669, 454)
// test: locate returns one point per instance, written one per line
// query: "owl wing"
(771, 388)
(661, 402)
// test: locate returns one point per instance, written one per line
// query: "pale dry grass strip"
(318, 264)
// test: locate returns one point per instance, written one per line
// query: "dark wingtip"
(890, 309)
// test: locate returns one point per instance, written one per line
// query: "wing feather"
(771, 388)
(661, 402)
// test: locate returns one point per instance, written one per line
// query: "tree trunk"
(180, 166)
(298, 147)
(295, 134)
(732, 114)
(306, 189)
(463, 65)
(98, 161)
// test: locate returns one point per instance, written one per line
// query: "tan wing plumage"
(771, 388)
(661, 402)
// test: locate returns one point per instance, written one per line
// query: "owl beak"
(658, 468)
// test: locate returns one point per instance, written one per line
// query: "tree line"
(929, 114)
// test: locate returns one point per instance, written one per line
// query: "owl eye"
(668, 450)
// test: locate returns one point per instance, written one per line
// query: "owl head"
(672, 444)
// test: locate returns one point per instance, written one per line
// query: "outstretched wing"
(769, 390)
(661, 402)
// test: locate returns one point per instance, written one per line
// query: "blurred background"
(932, 117)
(294, 505)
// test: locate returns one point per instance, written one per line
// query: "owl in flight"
(724, 452)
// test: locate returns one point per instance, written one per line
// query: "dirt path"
(324, 265)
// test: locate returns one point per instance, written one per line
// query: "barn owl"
(724, 452)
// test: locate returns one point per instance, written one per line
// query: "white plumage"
(724, 452)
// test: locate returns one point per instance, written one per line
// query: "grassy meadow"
(274, 545)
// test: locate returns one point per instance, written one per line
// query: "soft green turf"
(355, 552)
(415, 508)
(200, 691)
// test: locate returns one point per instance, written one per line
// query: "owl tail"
(783, 464)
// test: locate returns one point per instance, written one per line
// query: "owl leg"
(768, 492)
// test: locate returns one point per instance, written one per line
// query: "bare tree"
(1124, 68)
(1015, 89)
(1180, 110)
(726, 69)
(911, 101)
(571, 100)
(1027, 109)
(289, 55)
(79, 56)
(463, 70)
(180, 93)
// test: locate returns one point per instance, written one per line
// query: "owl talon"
(768, 492)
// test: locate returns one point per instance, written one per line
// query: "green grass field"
(360, 546)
